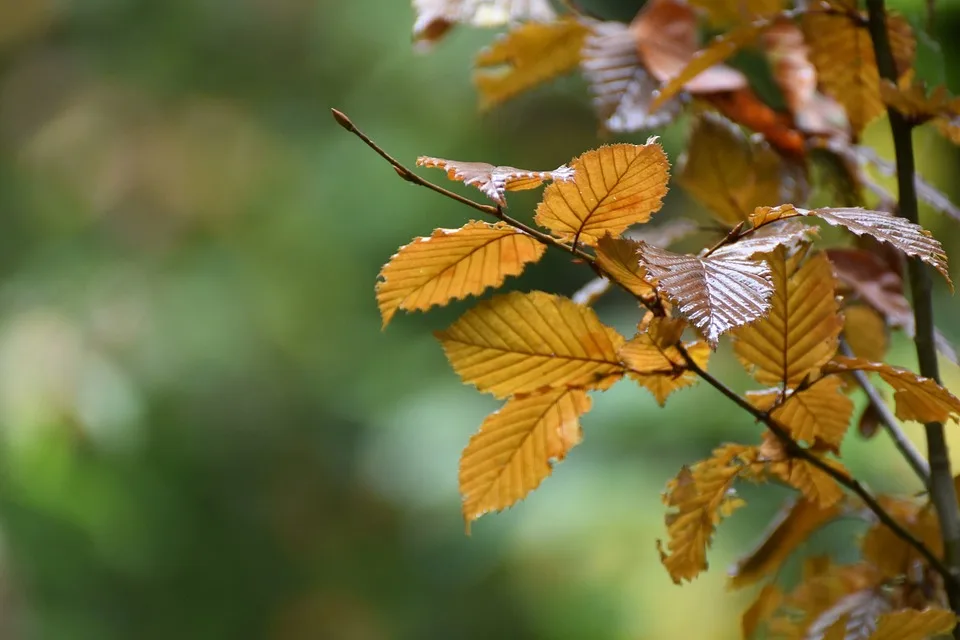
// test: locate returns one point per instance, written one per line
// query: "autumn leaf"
(842, 51)
(699, 497)
(716, 294)
(760, 609)
(814, 483)
(613, 187)
(617, 257)
(453, 264)
(819, 414)
(622, 87)
(888, 552)
(799, 334)
(654, 361)
(727, 172)
(911, 624)
(789, 529)
(495, 181)
(866, 276)
(528, 55)
(665, 234)
(727, 12)
(866, 332)
(522, 342)
(436, 17)
(516, 447)
(917, 398)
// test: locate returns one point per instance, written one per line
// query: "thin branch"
(797, 451)
(943, 494)
(889, 421)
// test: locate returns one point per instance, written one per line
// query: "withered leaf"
(653, 360)
(436, 17)
(527, 56)
(495, 181)
(716, 294)
(911, 624)
(613, 187)
(522, 342)
(453, 264)
(515, 448)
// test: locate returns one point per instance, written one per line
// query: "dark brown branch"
(943, 494)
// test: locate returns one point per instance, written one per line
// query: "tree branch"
(889, 421)
(942, 491)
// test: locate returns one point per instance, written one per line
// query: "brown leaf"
(814, 483)
(436, 17)
(665, 234)
(868, 277)
(617, 257)
(910, 624)
(528, 55)
(452, 264)
(495, 181)
(613, 187)
(654, 361)
(869, 423)
(716, 294)
(760, 609)
(866, 332)
(887, 551)
(516, 447)
(727, 12)
(522, 342)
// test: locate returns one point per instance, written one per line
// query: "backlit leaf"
(453, 264)
(730, 174)
(842, 51)
(716, 294)
(495, 181)
(866, 332)
(911, 624)
(917, 398)
(613, 187)
(760, 609)
(618, 258)
(887, 551)
(789, 529)
(655, 362)
(528, 55)
(621, 86)
(516, 447)
(819, 414)
(522, 342)
(814, 483)
(699, 497)
(800, 332)
(436, 17)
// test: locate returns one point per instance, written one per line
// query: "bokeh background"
(204, 432)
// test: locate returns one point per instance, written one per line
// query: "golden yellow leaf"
(800, 332)
(813, 482)
(494, 181)
(716, 293)
(837, 630)
(700, 496)
(866, 332)
(788, 530)
(887, 551)
(613, 187)
(842, 51)
(917, 398)
(522, 342)
(436, 17)
(727, 12)
(911, 624)
(653, 360)
(819, 414)
(760, 609)
(516, 447)
(727, 172)
(618, 258)
(528, 55)
(452, 264)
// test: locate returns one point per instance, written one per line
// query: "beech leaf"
(617, 257)
(911, 624)
(515, 448)
(654, 361)
(495, 181)
(814, 483)
(452, 264)
(819, 414)
(613, 187)
(522, 342)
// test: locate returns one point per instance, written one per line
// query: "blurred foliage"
(203, 432)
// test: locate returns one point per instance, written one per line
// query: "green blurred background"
(203, 431)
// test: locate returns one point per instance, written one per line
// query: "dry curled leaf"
(522, 342)
(452, 264)
(436, 17)
(716, 294)
(654, 361)
(493, 181)
(527, 56)
(613, 187)
(516, 447)
(911, 624)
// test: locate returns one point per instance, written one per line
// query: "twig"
(889, 421)
(943, 494)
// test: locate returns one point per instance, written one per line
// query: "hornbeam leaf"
(655, 362)
(453, 264)
(617, 257)
(522, 342)
(613, 187)
(494, 181)
(716, 294)
(819, 414)
(621, 86)
(911, 624)
(800, 333)
(527, 56)
(515, 448)
(815, 484)
(917, 398)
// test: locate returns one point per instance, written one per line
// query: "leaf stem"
(943, 494)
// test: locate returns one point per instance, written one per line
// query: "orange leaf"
(866, 332)
(910, 624)
(887, 551)
(819, 414)
(814, 483)
(494, 181)
(515, 448)
(613, 187)
(618, 258)
(761, 609)
(726, 12)
(655, 362)
(522, 342)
